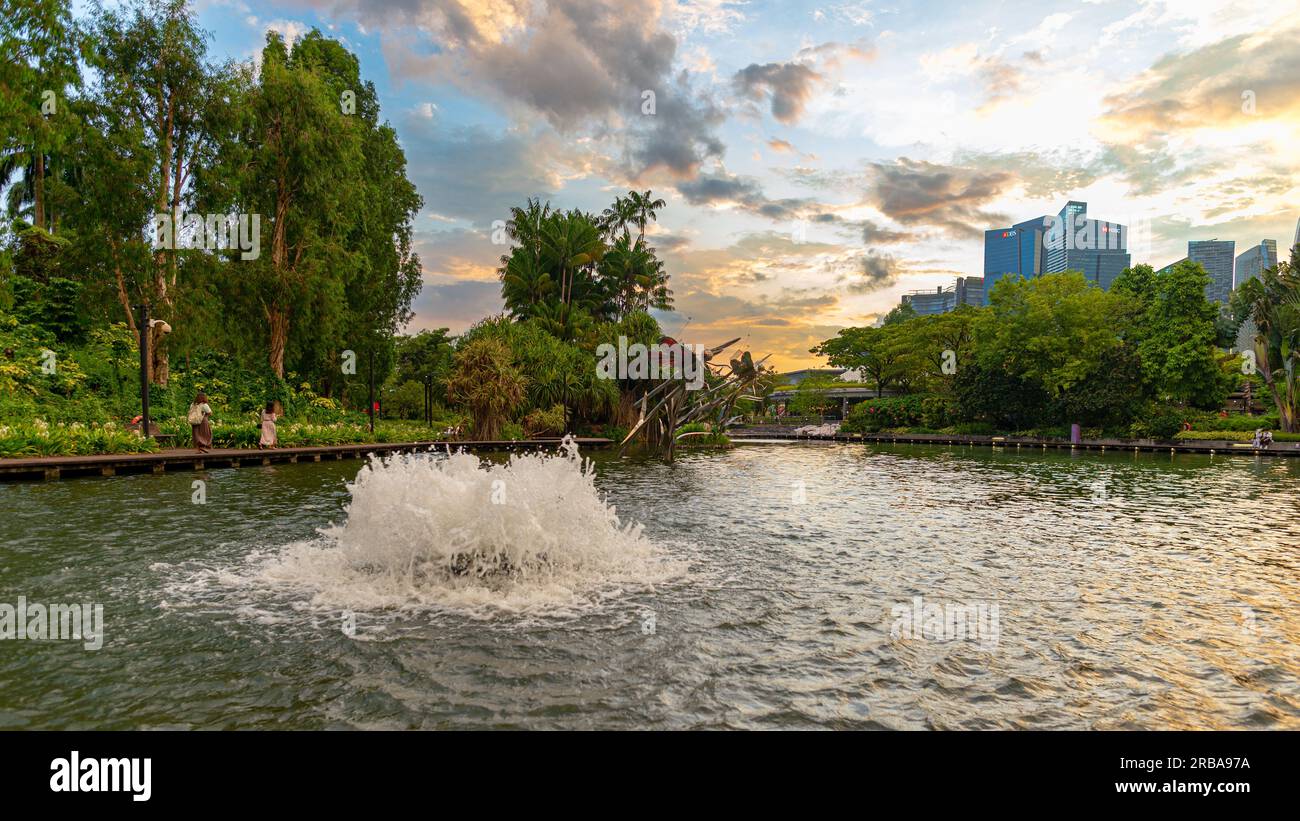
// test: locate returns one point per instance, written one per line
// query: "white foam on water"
(530, 537)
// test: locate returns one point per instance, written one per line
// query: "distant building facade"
(1252, 262)
(1217, 258)
(965, 291)
(1069, 241)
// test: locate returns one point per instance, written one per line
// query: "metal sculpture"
(676, 404)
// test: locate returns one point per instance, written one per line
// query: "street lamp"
(146, 327)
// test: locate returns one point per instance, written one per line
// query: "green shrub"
(544, 422)
(938, 412)
(40, 438)
(710, 437)
(873, 415)
(1235, 421)
(1232, 435)
(1158, 422)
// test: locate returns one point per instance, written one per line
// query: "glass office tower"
(1095, 248)
(1069, 241)
(1014, 251)
(1253, 261)
(1217, 259)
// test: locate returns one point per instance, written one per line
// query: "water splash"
(531, 536)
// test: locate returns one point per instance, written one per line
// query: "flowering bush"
(878, 414)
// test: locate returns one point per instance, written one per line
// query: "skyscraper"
(1069, 241)
(1253, 261)
(1217, 259)
(1097, 249)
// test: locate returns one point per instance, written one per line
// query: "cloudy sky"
(819, 158)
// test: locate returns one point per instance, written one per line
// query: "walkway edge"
(1206, 446)
(111, 464)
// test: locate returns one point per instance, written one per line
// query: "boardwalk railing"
(1210, 446)
(56, 467)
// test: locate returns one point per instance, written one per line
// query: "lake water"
(806, 585)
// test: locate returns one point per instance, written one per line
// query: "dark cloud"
(679, 136)
(581, 65)
(788, 86)
(876, 270)
(745, 193)
(668, 243)
(873, 234)
(951, 198)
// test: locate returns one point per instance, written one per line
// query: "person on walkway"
(268, 439)
(200, 427)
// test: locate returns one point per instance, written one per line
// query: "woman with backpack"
(200, 427)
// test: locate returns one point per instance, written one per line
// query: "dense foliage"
(1048, 352)
(117, 123)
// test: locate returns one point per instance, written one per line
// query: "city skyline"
(818, 160)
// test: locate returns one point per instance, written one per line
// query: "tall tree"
(298, 159)
(644, 208)
(1176, 335)
(635, 277)
(150, 59)
(41, 44)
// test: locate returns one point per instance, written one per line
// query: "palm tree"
(617, 217)
(22, 195)
(525, 228)
(635, 277)
(485, 382)
(571, 243)
(644, 208)
(525, 284)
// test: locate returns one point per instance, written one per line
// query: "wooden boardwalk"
(178, 459)
(1206, 446)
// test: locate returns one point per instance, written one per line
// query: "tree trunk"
(122, 294)
(38, 189)
(278, 320)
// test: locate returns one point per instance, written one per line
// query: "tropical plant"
(644, 208)
(485, 382)
(1272, 302)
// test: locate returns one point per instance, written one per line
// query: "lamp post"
(428, 400)
(372, 388)
(145, 330)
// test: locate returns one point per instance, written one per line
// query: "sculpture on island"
(674, 401)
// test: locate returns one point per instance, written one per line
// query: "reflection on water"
(1132, 591)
